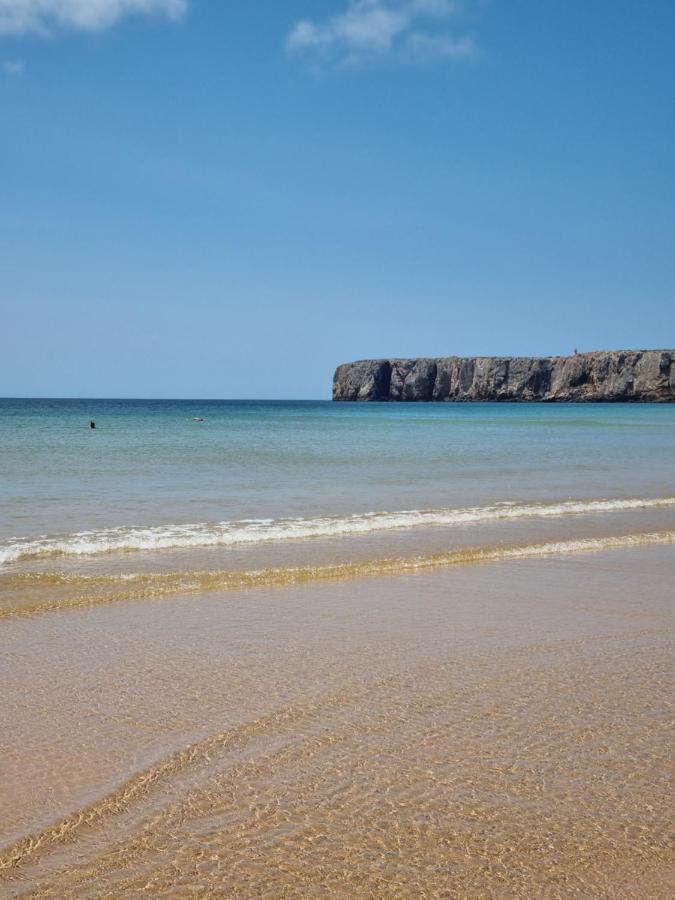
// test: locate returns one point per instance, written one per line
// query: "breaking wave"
(254, 531)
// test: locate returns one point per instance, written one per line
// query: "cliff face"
(617, 375)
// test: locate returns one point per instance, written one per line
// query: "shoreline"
(90, 590)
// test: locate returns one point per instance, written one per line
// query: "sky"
(227, 198)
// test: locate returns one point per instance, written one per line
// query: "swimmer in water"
(92, 424)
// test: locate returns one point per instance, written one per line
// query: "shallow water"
(493, 730)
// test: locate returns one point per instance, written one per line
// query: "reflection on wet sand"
(500, 730)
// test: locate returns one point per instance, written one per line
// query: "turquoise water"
(149, 465)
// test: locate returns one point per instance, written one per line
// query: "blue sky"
(201, 198)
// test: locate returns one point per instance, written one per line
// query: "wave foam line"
(88, 590)
(255, 531)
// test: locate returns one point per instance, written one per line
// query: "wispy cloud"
(19, 17)
(13, 67)
(408, 30)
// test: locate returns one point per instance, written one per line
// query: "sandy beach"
(497, 729)
(337, 450)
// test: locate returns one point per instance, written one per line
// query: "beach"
(305, 650)
(410, 635)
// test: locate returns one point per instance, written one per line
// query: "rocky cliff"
(617, 375)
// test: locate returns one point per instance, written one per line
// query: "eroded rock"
(614, 375)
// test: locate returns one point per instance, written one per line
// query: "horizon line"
(183, 399)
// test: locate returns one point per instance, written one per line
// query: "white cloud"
(43, 16)
(411, 30)
(13, 67)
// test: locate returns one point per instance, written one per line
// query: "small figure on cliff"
(576, 352)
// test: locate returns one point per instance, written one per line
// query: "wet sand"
(496, 729)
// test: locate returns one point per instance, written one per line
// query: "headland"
(604, 376)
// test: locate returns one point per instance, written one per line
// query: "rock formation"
(616, 375)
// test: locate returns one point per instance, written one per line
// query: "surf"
(256, 531)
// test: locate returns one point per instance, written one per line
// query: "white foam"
(254, 531)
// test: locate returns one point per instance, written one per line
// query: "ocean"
(151, 477)
(258, 648)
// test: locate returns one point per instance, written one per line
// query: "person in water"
(92, 424)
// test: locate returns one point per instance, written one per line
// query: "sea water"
(168, 474)
(259, 649)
